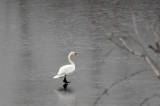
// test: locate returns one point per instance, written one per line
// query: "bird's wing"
(66, 69)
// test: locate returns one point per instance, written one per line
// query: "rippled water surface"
(37, 35)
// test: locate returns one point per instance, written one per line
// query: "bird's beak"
(76, 54)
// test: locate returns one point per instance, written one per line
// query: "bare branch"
(135, 26)
(136, 30)
(151, 47)
(157, 49)
(126, 47)
(137, 42)
(145, 56)
(148, 60)
(117, 82)
(152, 66)
(157, 44)
(124, 78)
(130, 50)
(148, 98)
(111, 39)
(134, 22)
(109, 52)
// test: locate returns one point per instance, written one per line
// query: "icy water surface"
(37, 35)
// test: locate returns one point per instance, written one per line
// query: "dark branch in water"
(148, 98)
(117, 82)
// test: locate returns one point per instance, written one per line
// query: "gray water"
(37, 35)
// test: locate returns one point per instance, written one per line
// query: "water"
(37, 35)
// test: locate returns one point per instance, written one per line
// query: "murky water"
(37, 35)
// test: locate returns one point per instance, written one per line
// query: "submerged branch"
(124, 78)
(115, 83)
(146, 57)
(148, 98)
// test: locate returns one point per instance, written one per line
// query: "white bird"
(66, 69)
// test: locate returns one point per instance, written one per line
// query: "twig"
(117, 82)
(134, 22)
(157, 44)
(151, 47)
(147, 58)
(110, 38)
(124, 78)
(130, 50)
(148, 98)
(157, 49)
(152, 66)
(110, 51)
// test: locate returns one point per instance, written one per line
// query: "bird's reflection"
(65, 86)
(66, 96)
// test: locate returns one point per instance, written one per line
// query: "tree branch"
(152, 66)
(147, 58)
(115, 83)
(148, 98)
(130, 50)
(157, 49)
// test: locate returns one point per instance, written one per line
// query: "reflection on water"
(65, 86)
(25, 36)
(66, 97)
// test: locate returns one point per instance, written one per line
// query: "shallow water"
(37, 35)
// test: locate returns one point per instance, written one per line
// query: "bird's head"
(74, 53)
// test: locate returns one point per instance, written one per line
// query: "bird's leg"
(65, 86)
(65, 80)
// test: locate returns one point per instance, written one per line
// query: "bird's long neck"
(69, 59)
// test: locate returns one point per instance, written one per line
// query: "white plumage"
(66, 69)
